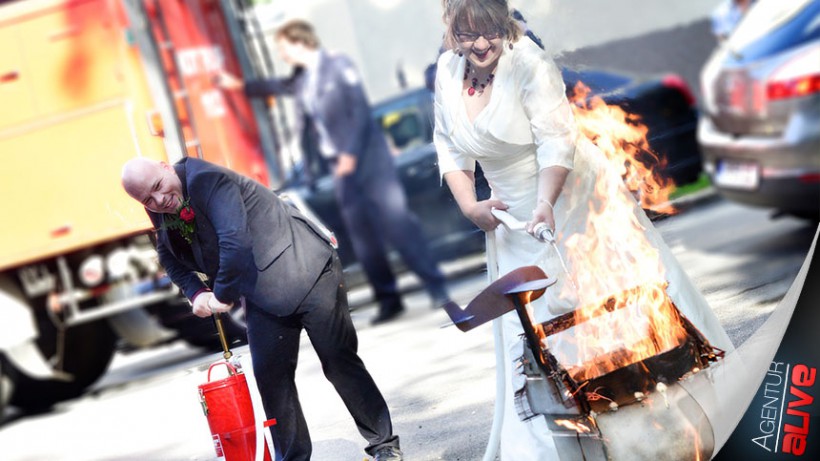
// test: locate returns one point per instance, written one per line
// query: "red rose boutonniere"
(182, 221)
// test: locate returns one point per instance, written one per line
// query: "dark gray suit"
(372, 201)
(251, 244)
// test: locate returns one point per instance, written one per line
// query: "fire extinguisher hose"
(500, 375)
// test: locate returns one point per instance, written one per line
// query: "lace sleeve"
(542, 94)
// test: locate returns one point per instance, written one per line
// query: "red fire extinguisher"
(228, 407)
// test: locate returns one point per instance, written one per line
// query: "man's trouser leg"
(326, 318)
(274, 347)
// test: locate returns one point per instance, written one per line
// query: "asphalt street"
(439, 382)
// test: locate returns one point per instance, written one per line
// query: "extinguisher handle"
(231, 368)
(226, 351)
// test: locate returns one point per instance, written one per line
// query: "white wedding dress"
(526, 126)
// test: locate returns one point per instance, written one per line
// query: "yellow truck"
(84, 86)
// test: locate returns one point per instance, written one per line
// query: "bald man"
(253, 246)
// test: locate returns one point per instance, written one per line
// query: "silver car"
(760, 129)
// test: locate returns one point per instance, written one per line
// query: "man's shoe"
(389, 454)
(387, 313)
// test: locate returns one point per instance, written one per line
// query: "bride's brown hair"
(478, 15)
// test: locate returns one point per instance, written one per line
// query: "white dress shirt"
(310, 98)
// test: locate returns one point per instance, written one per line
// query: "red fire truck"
(84, 86)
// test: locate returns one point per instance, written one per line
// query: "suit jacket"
(247, 241)
(341, 106)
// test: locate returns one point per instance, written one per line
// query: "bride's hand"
(481, 214)
(542, 213)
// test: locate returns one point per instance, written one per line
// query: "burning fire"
(696, 440)
(619, 281)
(633, 326)
(622, 138)
(581, 428)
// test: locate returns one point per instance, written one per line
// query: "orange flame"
(635, 325)
(622, 137)
(625, 314)
(573, 425)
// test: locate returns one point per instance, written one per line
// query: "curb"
(700, 197)
(681, 204)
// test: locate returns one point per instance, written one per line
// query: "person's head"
(295, 40)
(154, 184)
(478, 28)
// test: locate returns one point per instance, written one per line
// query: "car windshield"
(406, 120)
(775, 25)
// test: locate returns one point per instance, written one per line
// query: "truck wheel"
(197, 331)
(6, 387)
(88, 349)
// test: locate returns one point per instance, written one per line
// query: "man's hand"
(200, 304)
(218, 306)
(345, 165)
(227, 81)
(205, 304)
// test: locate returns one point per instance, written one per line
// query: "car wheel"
(87, 350)
(813, 218)
(6, 387)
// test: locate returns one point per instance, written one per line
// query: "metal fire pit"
(635, 412)
(628, 384)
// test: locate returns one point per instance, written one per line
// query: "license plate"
(737, 175)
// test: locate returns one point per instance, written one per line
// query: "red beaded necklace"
(474, 85)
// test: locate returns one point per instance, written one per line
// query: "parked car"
(760, 131)
(665, 104)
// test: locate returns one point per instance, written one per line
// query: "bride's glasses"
(468, 37)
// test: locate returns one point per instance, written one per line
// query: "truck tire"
(196, 331)
(6, 387)
(89, 348)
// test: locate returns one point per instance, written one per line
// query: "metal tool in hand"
(223, 338)
(226, 352)
(541, 232)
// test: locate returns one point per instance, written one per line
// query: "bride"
(500, 102)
